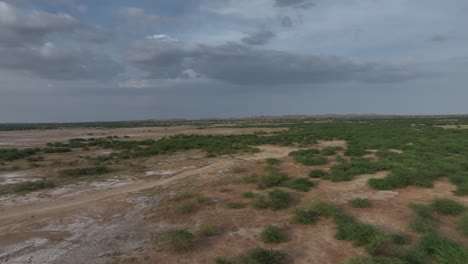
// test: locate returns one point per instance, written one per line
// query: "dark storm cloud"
(239, 64)
(50, 62)
(295, 3)
(20, 27)
(286, 21)
(438, 38)
(261, 37)
(25, 46)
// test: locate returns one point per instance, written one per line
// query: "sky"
(108, 60)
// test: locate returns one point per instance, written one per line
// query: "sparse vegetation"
(180, 240)
(301, 184)
(273, 161)
(248, 195)
(208, 230)
(447, 207)
(309, 157)
(85, 171)
(272, 234)
(26, 187)
(463, 224)
(256, 256)
(318, 174)
(279, 199)
(305, 217)
(360, 203)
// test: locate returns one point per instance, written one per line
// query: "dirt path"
(84, 200)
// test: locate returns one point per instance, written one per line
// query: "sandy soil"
(123, 218)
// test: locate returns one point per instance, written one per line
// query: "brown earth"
(124, 218)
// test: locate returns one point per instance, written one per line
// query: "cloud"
(242, 65)
(438, 38)
(50, 62)
(295, 3)
(286, 21)
(20, 27)
(261, 37)
(140, 16)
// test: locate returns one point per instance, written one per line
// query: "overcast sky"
(89, 60)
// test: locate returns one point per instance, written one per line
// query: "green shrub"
(360, 203)
(357, 166)
(324, 209)
(249, 195)
(422, 222)
(85, 171)
(256, 256)
(363, 235)
(279, 199)
(272, 234)
(302, 184)
(225, 190)
(318, 174)
(271, 180)
(261, 202)
(447, 207)
(463, 224)
(305, 217)
(375, 260)
(235, 205)
(15, 154)
(330, 151)
(309, 157)
(273, 161)
(399, 239)
(443, 250)
(56, 150)
(208, 230)
(31, 186)
(262, 256)
(180, 240)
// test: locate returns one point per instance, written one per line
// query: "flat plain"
(336, 191)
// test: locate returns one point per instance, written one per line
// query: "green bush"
(302, 184)
(279, 199)
(249, 195)
(271, 180)
(309, 157)
(357, 166)
(261, 202)
(422, 222)
(85, 171)
(360, 203)
(324, 209)
(15, 154)
(363, 235)
(262, 256)
(272, 234)
(443, 250)
(318, 174)
(273, 161)
(447, 207)
(180, 240)
(330, 151)
(208, 230)
(463, 224)
(31, 186)
(56, 150)
(305, 217)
